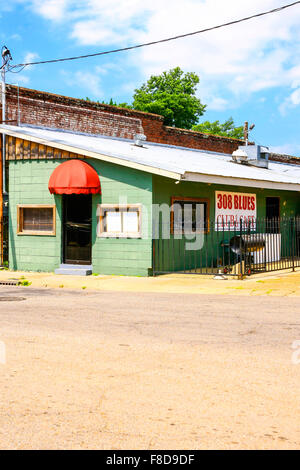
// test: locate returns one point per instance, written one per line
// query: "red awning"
(74, 177)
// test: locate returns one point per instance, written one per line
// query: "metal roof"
(174, 162)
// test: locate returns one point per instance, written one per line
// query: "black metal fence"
(235, 249)
(4, 241)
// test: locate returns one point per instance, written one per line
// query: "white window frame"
(102, 208)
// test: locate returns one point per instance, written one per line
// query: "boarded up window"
(119, 221)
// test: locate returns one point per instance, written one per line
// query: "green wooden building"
(81, 203)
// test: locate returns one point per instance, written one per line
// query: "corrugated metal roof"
(178, 161)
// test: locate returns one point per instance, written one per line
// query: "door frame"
(63, 234)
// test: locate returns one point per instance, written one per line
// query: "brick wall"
(45, 109)
(277, 157)
(48, 109)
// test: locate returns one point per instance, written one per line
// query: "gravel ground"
(126, 370)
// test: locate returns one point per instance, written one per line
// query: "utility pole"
(2, 164)
(3, 122)
(6, 57)
(246, 132)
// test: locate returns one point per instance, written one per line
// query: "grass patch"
(24, 282)
(4, 267)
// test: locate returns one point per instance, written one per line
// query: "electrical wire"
(3, 66)
(257, 15)
(17, 71)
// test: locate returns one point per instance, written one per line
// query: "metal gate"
(239, 249)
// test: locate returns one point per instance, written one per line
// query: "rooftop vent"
(139, 139)
(254, 155)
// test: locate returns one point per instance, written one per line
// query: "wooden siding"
(20, 149)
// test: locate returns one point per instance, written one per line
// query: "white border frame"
(100, 225)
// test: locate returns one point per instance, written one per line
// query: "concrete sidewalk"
(281, 283)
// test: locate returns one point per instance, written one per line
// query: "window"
(119, 221)
(272, 207)
(189, 215)
(36, 219)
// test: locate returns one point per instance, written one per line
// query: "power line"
(16, 71)
(257, 15)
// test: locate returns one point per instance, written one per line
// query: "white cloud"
(87, 81)
(295, 97)
(16, 37)
(215, 103)
(233, 63)
(109, 22)
(30, 57)
(90, 33)
(51, 9)
(291, 101)
(23, 79)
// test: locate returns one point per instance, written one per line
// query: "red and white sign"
(232, 208)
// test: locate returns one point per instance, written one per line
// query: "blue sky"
(249, 71)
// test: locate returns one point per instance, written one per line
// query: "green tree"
(172, 95)
(111, 102)
(227, 129)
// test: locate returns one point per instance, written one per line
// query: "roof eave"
(232, 181)
(99, 156)
(186, 176)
